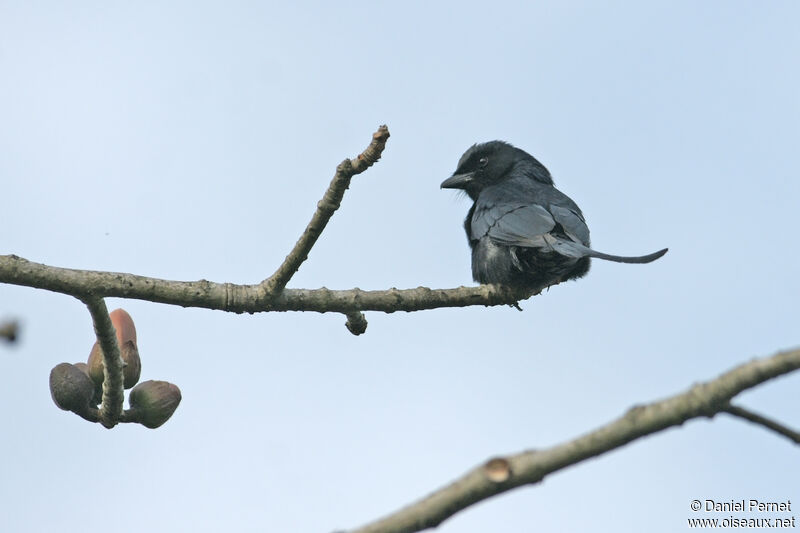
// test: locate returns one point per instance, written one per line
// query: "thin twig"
(763, 421)
(113, 393)
(325, 209)
(505, 473)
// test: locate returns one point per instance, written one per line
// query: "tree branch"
(325, 208)
(768, 423)
(270, 294)
(113, 392)
(245, 298)
(505, 473)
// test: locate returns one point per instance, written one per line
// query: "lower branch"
(501, 474)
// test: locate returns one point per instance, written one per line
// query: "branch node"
(497, 470)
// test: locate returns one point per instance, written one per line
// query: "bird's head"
(489, 163)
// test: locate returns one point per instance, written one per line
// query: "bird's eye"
(483, 161)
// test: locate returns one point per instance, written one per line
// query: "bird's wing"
(573, 223)
(521, 212)
(512, 224)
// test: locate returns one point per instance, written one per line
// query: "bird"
(524, 233)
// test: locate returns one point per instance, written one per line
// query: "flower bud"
(132, 364)
(126, 339)
(123, 323)
(95, 364)
(98, 388)
(71, 389)
(154, 402)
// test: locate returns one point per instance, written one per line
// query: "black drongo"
(524, 233)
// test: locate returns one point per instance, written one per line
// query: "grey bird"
(524, 233)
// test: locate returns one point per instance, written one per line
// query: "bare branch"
(768, 423)
(505, 473)
(113, 393)
(270, 294)
(325, 208)
(245, 298)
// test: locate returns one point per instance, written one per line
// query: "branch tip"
(356, 323)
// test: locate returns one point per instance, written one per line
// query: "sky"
(192, 140)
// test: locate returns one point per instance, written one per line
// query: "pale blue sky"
(193, 140)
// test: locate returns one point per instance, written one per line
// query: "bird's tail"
(571, 248)
(649, 258)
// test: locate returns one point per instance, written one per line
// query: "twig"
(768, 423)
(113, 393)
(244, 298)
(325, 208)
(505, 473)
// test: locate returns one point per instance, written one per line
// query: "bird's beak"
(458, 181)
